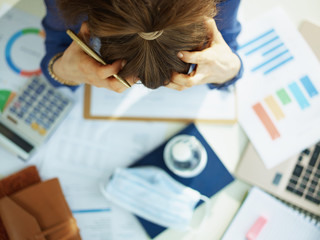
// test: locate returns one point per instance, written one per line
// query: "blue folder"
(212, 179)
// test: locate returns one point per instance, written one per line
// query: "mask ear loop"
(207, 203)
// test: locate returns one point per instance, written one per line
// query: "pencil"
(94, 55)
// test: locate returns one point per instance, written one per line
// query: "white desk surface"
(228, 141)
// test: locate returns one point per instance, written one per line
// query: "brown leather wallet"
(38, 212)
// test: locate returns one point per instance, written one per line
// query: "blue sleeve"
(230, 28)
(56, 38)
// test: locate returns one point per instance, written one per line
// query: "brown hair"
(117, 24)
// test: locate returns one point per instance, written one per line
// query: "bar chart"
(276, 103)
(268, 52)
(279, 94)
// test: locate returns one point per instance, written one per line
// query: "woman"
(154, 41)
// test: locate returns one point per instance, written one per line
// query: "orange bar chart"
(266, 121)
(274, 107)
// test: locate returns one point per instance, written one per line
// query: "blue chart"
(269, 50)
(9, 47)
(299, 92)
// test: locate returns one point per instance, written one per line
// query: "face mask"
(152, 194)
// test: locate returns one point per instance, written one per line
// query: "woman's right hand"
(75, 66)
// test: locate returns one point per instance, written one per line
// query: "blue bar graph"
(256, 39)
(262, 45)
(272, 49)
(269, 61)
(278, 65)
(308, 85)
(268, 51)
(298, 95)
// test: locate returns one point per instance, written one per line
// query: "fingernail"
(180, 55)
(123, 63)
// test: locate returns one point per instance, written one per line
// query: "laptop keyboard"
(304, 180)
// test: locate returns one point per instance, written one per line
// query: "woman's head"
(121, 26)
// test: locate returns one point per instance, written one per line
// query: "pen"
(94, 55)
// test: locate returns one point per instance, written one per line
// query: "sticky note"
(256, 228)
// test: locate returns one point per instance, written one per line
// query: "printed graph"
(25, 50)
(267, 52)
(21, 48)
(5, 97)
(271, 109)
(278, 95)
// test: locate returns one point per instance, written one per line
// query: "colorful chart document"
(279, 95)
(21, 50)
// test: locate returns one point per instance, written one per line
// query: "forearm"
(230, 28)
(56, 38)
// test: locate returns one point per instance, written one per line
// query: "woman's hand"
(215, 64)
(75, 66)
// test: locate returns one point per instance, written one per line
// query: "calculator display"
(15, 138)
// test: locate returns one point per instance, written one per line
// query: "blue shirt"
(57, 40)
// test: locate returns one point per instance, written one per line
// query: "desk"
(228, 141)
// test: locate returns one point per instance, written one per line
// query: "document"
(21, 48)
(83, 154)
(197, 103)
(278, 96)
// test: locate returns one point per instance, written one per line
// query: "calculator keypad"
(38, 106)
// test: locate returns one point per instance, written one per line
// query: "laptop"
(295, 181)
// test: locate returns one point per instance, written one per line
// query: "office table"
(228, 141)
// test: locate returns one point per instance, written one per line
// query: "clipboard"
(88, 114)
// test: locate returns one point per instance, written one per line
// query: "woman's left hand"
(215, 64)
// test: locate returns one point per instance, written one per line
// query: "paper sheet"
(96, 218)
(282, 222)
(198, 102)
(21, 51)
(279, 94)
(83, 154)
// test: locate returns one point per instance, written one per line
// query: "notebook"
(262, 216)
(211, 180)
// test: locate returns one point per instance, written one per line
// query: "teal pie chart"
(8, 51)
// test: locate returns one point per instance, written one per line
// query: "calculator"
(32, 116)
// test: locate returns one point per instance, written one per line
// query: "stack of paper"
(278, 97)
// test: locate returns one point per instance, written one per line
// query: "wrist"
(237, 72)
(235, 67)
(52, 69)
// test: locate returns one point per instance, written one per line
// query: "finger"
(110, 69)
(114, 84)
(175, 86)
(213, 32)
(132, 80)
(110, 83)
(84, 32)
(195, 57)
(182, 80)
